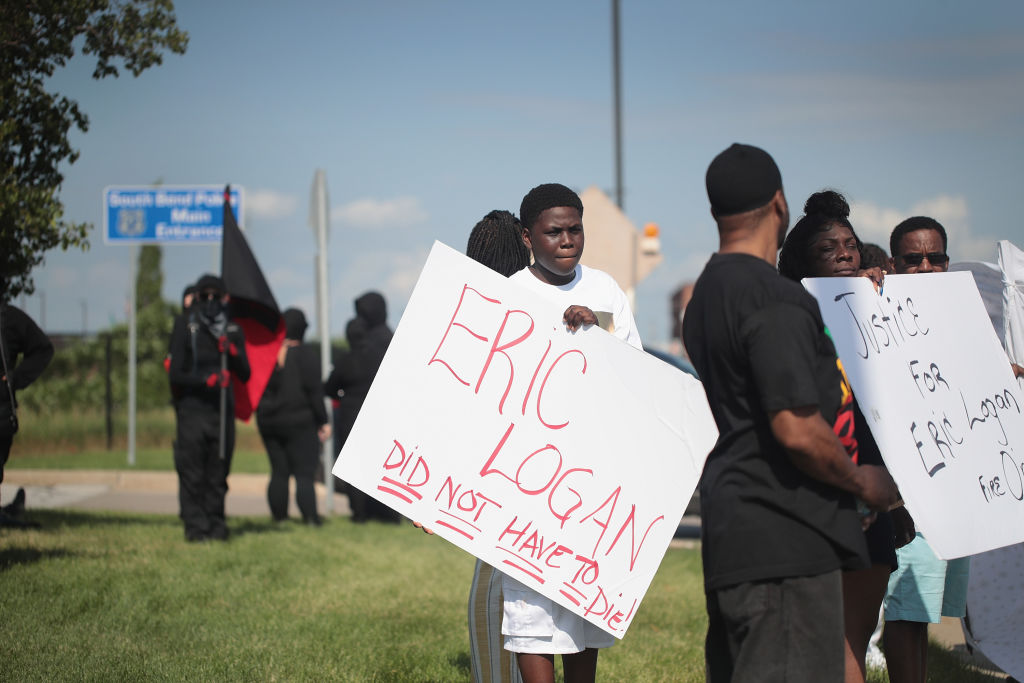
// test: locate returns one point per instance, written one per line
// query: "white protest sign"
(995, 606)
(936, 389)
(563, 459)
(1011, 263)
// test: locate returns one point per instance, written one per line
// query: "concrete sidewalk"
(143, 491)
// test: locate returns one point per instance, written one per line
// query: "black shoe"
(16, 508)
(314, 521)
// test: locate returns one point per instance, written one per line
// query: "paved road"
(141, 491)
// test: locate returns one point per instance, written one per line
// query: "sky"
(426, 116)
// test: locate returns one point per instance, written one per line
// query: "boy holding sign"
(534, 626)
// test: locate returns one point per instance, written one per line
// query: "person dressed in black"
(347, 386)
(207, 354)
(778, 520)
(292, 421)
(20, 338)
(372, 309)
(186, 316)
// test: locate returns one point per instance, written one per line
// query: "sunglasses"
(208, 296)
(936, 258)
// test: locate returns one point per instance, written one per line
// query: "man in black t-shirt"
(778, 521)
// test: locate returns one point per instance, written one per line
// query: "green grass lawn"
(77, 432)
(244, 460)
(76, 440)
(120, 597)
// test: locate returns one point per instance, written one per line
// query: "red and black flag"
(253, 308)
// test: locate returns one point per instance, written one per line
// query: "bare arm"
(816, 451)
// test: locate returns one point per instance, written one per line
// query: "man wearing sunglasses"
(924, 588)
(918, 245)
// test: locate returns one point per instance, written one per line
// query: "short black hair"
(295, 324)
(497, 242)
(741, 178)
(912, 225)
(821, 211)
(546, 196)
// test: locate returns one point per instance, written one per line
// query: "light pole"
(617, 104)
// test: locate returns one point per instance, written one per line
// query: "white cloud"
(405, 271)
(269, 204)
(400, 212)
(875, 223)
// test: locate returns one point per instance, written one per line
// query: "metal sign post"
(319, 219)
(167, 214)
(132, 354)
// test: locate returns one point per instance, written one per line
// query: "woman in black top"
(292, 420)
(824, 244)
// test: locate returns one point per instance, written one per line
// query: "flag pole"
(223, 404)
(221, 445)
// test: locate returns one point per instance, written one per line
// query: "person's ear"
(226, 298)
(781, 207)
(526, 238)
(892, 264)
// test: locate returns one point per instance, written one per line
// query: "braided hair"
(821, 211)
(497, 242)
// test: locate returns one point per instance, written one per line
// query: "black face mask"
(213, 314)
(210, 308)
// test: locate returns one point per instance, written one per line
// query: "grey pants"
(786, 630)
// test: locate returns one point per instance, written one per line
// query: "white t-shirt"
(530, 621)
(593, 288)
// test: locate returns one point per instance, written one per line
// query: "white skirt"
(536, 624)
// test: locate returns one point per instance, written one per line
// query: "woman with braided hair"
(824, 244)
(496, 242)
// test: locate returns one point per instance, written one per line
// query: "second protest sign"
(937, 391)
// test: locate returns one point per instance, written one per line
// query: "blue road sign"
(167, 214)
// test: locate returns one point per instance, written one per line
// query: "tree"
(75, 378)
(37, 37)
(149, 281)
